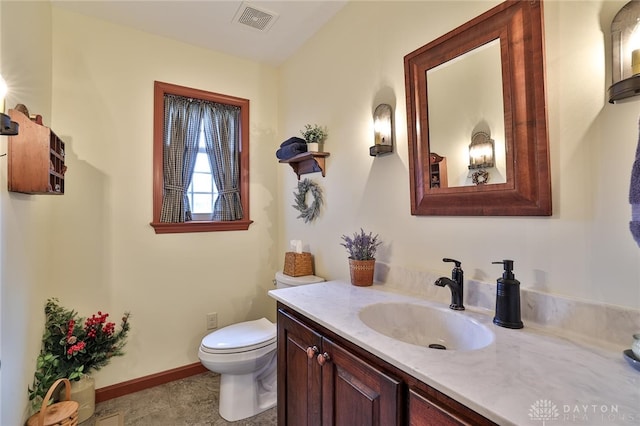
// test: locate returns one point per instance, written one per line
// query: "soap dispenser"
(508, 298)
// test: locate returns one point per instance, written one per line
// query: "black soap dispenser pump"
(508, 298)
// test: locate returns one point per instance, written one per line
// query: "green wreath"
(480, 177)
(308, 213)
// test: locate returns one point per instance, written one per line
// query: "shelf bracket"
(307, 162)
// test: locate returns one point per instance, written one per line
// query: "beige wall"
(356, 62)
(94, 249)
(24, 221)
(109, 257)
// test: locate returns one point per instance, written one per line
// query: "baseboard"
(141, 383)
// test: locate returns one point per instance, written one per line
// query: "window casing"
(197, 224)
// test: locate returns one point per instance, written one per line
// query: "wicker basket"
(297, 264)
(63, 413)
(362, 272)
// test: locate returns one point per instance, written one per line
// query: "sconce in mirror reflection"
(383, 131)
(481, 156)
(481, 151)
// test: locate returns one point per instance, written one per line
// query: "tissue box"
(297, 264)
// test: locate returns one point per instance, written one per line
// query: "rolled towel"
(292, 140)
(291, 150)
(634, 197)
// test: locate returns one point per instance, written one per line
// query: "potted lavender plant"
(362, 249)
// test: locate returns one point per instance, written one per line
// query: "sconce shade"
(383, 130)
(481, 151)
(625, 52)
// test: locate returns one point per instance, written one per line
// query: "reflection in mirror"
(451, 102)
(475, 81)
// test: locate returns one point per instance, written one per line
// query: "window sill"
(200, 226)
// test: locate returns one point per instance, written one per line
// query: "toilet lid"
(241, 337)
(283, 278)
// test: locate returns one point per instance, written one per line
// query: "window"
(203, 138)
(202, 192)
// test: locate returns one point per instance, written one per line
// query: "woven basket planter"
(64, 413)
(362, 272)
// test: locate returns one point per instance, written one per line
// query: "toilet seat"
(242, 337)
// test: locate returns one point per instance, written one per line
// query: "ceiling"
(214, 24)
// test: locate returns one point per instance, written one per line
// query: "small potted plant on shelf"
(314, 136)
(72, 348)
(362, 250)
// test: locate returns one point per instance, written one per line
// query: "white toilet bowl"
(245, 356)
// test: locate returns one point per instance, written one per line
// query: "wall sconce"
(481, 151)
(7, 127)
(625, 53)
(383, 131)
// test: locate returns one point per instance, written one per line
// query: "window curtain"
(182, 118)
(222, 140)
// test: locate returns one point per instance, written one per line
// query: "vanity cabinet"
(325, 380)
(35, 158)
(425, 412)
(321, 382)
(299, 377)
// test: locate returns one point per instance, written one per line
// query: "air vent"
(255, 17)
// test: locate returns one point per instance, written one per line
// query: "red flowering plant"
(73, 346)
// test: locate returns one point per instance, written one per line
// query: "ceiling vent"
(255, 17)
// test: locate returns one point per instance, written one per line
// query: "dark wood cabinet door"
(425, 412)
(299, 377)
(356, 393)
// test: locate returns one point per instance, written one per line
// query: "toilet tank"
(283, 280)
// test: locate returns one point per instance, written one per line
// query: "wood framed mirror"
(499, 91)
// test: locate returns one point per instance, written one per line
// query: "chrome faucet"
(455, 284)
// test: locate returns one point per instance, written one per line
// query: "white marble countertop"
(506, 381)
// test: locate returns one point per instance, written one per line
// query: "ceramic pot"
(362, 272)
(314, 147)
(83, 391)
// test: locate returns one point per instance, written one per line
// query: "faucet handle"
(457, 262)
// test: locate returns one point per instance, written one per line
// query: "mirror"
(454, 126)
(481, 84)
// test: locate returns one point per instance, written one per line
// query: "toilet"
(244, 355)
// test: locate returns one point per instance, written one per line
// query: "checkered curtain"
(182, 118)
(222, 138)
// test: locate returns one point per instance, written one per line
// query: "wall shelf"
(307, 162)
(438, 171)
(36, 158)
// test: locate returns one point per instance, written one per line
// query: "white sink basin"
(422, 325)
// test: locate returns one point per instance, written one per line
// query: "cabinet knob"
(323, 358)
(312, 351)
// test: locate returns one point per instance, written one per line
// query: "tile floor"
(187, 402)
